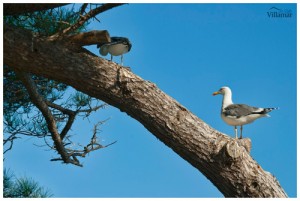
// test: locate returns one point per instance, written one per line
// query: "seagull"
(118, 46)
(239, 114)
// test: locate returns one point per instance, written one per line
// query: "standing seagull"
(118, 46)
(239, 114)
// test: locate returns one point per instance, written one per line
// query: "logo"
(275, 12)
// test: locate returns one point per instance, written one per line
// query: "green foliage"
(7, 183)
(48, 22)
(22, 187)
(81, 99)
(16, 98)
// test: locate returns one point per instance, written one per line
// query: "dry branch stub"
(90, 38)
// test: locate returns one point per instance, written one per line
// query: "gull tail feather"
(267, 110)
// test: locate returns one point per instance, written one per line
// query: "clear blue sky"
(189, 51)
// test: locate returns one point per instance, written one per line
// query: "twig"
(83, 7)
(11, 140)
(92, 109)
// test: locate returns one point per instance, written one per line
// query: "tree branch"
(67, 155)
(22, 8)
(10, 139)
(40, 103)
(70, 113)
(83, 7)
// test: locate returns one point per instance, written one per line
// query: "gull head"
(223, 91)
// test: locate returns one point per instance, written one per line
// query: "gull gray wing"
(239, 110)
(114, 40)
(104, 50)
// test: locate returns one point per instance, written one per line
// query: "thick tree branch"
(235, 175)
(22, 8)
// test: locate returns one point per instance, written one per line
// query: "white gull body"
(239, 114)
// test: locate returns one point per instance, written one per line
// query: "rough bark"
(223, 160)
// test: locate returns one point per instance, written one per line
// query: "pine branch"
(92, 13)
(68, 155)
(40, 103)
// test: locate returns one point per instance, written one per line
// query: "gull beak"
(216, 93)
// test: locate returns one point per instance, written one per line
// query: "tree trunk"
(223, 160)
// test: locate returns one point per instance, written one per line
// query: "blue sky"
(189, 51)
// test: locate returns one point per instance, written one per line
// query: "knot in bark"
(231, 149)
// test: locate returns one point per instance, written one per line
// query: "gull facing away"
(118, 46)
(239, 114)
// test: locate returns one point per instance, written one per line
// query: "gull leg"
(241, 136)
(122, 60)
(111, 57)
(235, 130)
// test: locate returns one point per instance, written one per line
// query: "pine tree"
(23, 187)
